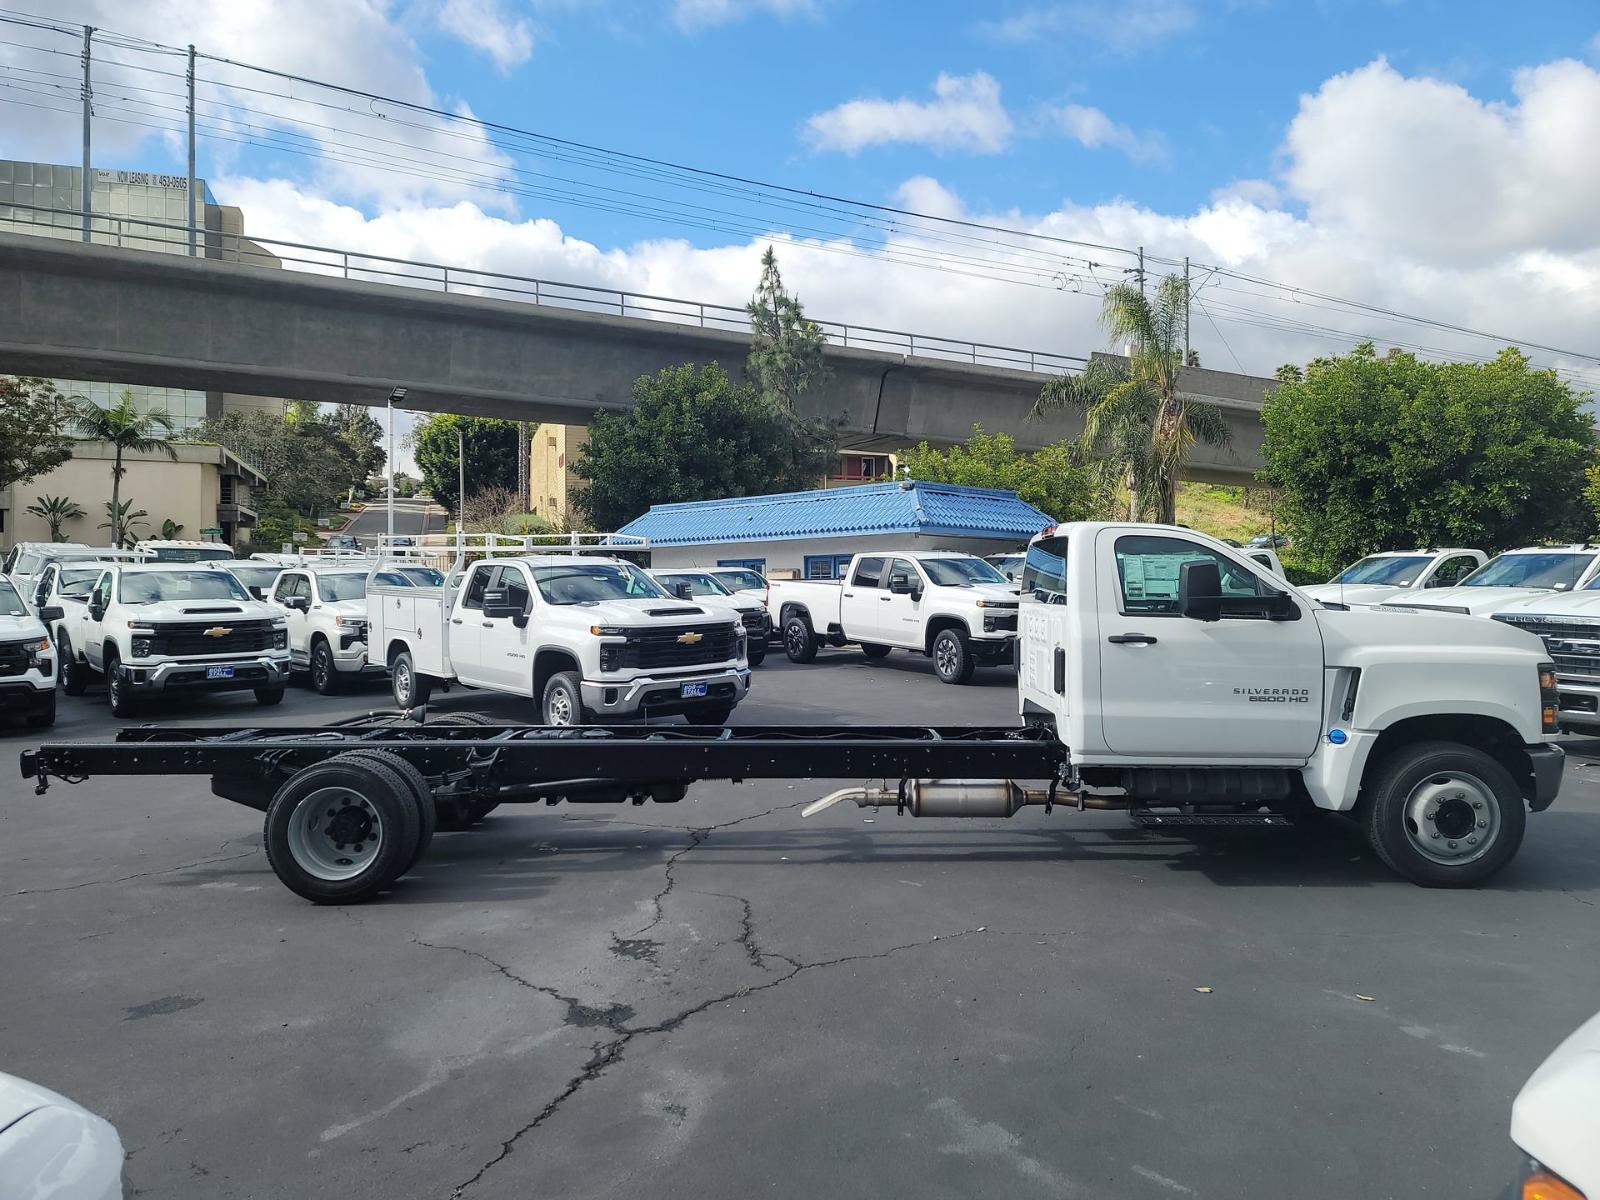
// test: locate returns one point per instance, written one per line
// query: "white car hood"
(16, 629)
(1005, 593)
(1552, 1118)
(1479, 601)
(50, 1146)
(201, 610)
(1357, 593)
(649, 612)
(346, 608)
(1555, 604)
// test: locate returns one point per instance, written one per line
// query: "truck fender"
(392, 651)
(794, 608)
(937, 624)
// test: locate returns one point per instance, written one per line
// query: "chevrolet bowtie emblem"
(217, 631)
(690, 638)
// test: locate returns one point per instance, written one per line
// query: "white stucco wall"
(785, 557)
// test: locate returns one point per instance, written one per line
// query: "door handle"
(850, 595)
(1132, 639)
(488, 624)
(455, 620)
(885, 599)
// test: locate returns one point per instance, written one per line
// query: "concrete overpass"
(75, 311)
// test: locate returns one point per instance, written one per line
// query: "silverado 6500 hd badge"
(1274, 695)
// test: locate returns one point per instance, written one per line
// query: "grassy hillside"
(1220, 511)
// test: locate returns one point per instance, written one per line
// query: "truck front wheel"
(324, 675)
(873, 650)
(799, 641)
(1443, 814)
(118, 690)
(410, 689)
(952, 657)
(73, 673)
(563, 700)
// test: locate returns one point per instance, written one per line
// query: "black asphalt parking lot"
(719, 999)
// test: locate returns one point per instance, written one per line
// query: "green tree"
(33, 440)
(692, 434)
(170, 530)
(491, 449)
(361, 436)
(1052, 479)
(1136, 423)
(1385, 452)
(786, 348)
(57, 511)
(125, 428)
(298, 454)
(120, 521)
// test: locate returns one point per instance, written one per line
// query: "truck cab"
(178, 550)
(582, 636)
(325, 605)
(1179, 671)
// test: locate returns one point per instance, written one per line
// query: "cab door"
(507, 661)
(1244, 686)
(93, 647)
(901, 612)
(860, 599)
(292, 594)
(465, 629)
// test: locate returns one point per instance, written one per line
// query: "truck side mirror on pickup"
(497, 606)
(683, 591)
(97, 609)
(901, 585)
(298, 603)
(1200, 590)
(51, 612)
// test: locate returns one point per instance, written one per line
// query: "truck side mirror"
(51, 612)
(298, 603)
(1200, 590)
(683, 591)
(900, 585)
(97, 608)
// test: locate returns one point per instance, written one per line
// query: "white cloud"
(699, 14)
(485, 26)
(1258, 192)
(964, 114)
(1121, 26)
(1091, 128)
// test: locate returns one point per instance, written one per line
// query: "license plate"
(219, 672)
(694, 689)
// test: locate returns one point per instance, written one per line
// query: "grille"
(755, 622)
(178, 640)
(13, 659)
(1000, 620)
(654, 648)
(1574, 646)
(1587, 666)
(1554, 627)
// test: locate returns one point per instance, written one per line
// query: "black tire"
(118, 691)
(74, 675)
(873, 650)
(266, 697)
(409, 687)
(562, 702)
(43, 720)
(1419, 795)
(799, 640)
(420, 792)
(952, 657)
(324, 675)
(709, 714)
(382, 794)
(756, 652)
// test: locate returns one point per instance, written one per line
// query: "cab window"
(1453, 570)
(1044, 570)
(868, 573)
(516, 588)
(478, 585)
(1148, 568)
(904, 566)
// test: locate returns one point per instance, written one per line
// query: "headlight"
(608, 631)
(37, 650)
(141, 645)
(611, 657)
(280, 639)
(351, 622)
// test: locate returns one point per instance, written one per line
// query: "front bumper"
(352, 660)
(26, 696)
(992, 649)
(1579, 704)
(661, 696)
(1547, 762)
(261, 670)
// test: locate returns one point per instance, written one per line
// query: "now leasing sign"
(143, 179)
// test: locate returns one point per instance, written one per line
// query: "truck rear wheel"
(873, 650)
(952, 657)
(343, 830)
(458, 812)
(420, 792)
(799, 641)
(74, 675)
(1443, 814)
(562, 703)
(409, 687)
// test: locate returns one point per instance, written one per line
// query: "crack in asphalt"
(72, 887)
(605, 1054)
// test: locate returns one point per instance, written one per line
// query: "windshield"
(1044, 571)
(700, 584)
(960, 572)
(77, 581)
(149, 587)
(256, 577)
(1399, 569)
(589, 583)
(342, 587)
(742, 580)
(1554, 569)
(189, 554)
(10, 603)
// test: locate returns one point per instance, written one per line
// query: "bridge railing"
(132, 232)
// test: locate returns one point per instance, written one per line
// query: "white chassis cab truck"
(955, 608)
(1162, 673)
(581, 636)
(1397, 573)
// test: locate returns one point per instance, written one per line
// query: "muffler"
(944, 798)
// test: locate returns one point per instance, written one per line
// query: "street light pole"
(461, 488)
(397, 396)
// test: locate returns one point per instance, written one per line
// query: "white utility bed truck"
(955, 608)
(581, 636)
(1163, 673)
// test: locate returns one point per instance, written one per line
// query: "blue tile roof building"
(909, 507)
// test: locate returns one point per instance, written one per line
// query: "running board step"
(1152, 820)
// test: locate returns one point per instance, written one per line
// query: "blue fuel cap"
(1338, 737)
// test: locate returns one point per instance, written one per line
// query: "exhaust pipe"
(963, 798)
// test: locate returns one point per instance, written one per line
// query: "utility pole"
(461, 489)
(524, 464)
(192, 237)
(88, 109)
(1141, 270)
(395, 397)
(1188, 299)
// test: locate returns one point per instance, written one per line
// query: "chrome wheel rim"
(402, 683)
(560, 708)
(1452, 818)
(944, 655)
(335, 833)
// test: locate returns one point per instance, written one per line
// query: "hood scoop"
(675, 612)
(190, 611)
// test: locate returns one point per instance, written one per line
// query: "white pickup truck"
(583, 637)
(954, 608)
(1396, 573)
(1569, 625)
(1181, 672)
(169, 627)
(27, 660)
(325, 605)
(703, 587)
(1509, 577)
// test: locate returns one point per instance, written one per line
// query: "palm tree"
(1136, 424)
(57, 510)
(124, 517)
(126, 428)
